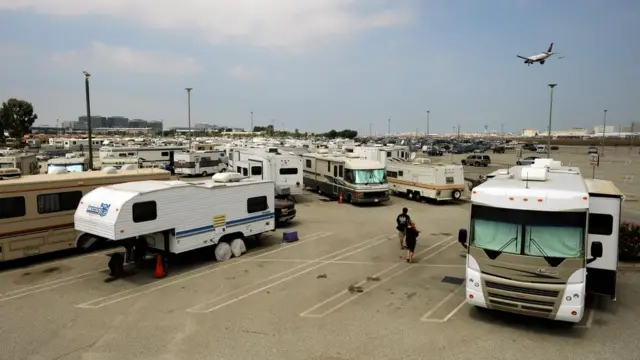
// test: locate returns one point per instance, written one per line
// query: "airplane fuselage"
(538, 58)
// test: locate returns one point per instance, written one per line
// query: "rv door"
(604, 225)
(256, 170)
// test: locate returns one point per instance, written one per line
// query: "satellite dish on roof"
(413, 155)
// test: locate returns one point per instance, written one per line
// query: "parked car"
(435, 152)
(530, 147)
(498, 150)
(285, 211)
(477, 160)
(592, 150)
(555, 147)
(527, 161)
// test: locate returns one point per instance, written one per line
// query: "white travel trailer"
(383, 154)
(26, 163)
(147, 155)
(358, 180)
(420, 179)
(176, 216)
(284, 169)
(81, 144)
(200, 163)
(540, 238)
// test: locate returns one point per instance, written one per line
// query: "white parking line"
(307, 313)
(68, 259)
(355, 262)
(145, 289)
(425, 317)
(48, 285)
(196, 309)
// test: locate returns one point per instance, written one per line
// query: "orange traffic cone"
(159, 268)
(340, 199)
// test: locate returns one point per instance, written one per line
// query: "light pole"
(550, 117)
(389, 128)
(604, 130)
(251, 122)
(370, 130)
(86, 91)
(428, 113)
(189, 112)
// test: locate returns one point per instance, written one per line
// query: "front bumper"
(375, 200)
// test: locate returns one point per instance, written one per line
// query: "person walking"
(402, 221)
(411, 239)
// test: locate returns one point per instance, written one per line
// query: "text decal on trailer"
(101, 210)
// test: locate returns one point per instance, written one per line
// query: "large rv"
(358, 180)
(26, 163)
(383, 154)
(269, 164)
(420, 179)
(36, 212)
(540, 238)
(70, 163)
(200, 162)
(147, 155)
(222, 211)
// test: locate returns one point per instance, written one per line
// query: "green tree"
(17, 117)
(296, 133)
(269, 130)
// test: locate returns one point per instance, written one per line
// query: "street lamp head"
(553, 85)
(188, 89)
(86, 74)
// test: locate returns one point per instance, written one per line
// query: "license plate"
(375, 200)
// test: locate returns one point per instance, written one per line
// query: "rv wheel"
(318, 190)
(409, 195)
(204, 173)
(456, 194)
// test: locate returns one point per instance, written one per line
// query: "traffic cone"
(340, 199)
(159, 268)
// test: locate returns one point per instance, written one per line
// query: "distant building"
(607, 129)
(74, 125)
(529, 133)
(138, 123)
(96, 120)
(117, 122)
(155, 125)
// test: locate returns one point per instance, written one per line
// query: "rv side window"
(122, 155)
(65, 201)
(292, 171)
(257, 170)
(257, 204)
(348, 175)
(449, 179)
(392, 174)
(239, 169)
(328, 167)
(340, 171)
(145, 211)
(600, 224)
(164, 153)
(308, 163)
(388, 154)
(245, 172)
(12, 207)
(131, 154)
(400, 173)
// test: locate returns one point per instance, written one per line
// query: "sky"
(315, 65)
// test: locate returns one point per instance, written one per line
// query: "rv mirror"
(462, 237)
(596, 249)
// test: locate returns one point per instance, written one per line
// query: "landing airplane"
(541, 58)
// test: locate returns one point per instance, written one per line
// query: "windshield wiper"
(507, 244)
(537, 245)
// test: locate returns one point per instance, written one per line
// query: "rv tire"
(204, 173)
(318, 190)
(456, 194)
(347, 199)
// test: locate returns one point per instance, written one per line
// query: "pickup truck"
(285, 211)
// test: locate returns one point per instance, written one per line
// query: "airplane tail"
(550, 48)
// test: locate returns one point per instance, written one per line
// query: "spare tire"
(223, 251)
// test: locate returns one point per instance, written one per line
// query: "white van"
(541, 149)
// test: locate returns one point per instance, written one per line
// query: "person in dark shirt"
(411, 239)
(402, 221)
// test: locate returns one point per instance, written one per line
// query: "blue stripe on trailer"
(231, 223)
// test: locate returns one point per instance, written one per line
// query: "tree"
(296, 132)
(17, 117)
(346, 133)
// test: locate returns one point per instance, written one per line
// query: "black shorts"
(411, 243)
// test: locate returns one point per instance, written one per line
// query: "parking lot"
(343, 291)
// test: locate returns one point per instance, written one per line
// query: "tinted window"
(486, 157)
(164, 153)
(308, 163)
(66, 201)
(400, 173)
(288, 171)
(388, 153)
(340, 171)
(600, 224)
(245, 172)
(12, 207)
(392, 174)
(145, 211)
(449, 180)
(257, 204)
(256, 170)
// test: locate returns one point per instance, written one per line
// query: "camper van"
(357, 180)
(419, 179)
(202, 163)
(285, 169)
(540, 238)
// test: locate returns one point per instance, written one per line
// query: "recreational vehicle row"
(202, 162)
(36, 211)
(153, 155)
(540, 238)
(26, 163)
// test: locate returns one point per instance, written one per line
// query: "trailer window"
(600, 224)
(291, 171)
(449, 179)
(145, 211)
(245, 172)
(257, 204)
(164, 153)
(400, 173)
(12, 207)
(308, 163)
(256, 170)
(392, 174)
(388, 154)
(328, 167)
(65, 201)
(340, 171)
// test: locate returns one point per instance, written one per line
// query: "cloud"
(243, 73)
(288, 24)
(123, 59)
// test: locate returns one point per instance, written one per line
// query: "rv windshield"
(377, 176)
(7, 165)
(532, 233)
(69, 167)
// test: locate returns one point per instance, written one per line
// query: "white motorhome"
(70, 163)
(285, 169)
(420, 179)
(358, 180)
(26, 163)
(176, 216)
(540, 238)
(383, 154)
(152, 154)
(200, 163)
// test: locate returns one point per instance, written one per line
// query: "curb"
(628, 266)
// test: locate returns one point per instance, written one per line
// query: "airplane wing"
(522, 57)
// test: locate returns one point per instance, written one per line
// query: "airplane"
(541, 58)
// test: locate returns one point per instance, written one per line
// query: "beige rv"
(26, 163)
(36, 212)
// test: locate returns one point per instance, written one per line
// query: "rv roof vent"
(352, 155)
(541, 163)
(323, 151)
(556, 164)
(227, 177)
(533, 174)
(128, 167)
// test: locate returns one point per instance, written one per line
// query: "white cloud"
(291, 24)
(122, 59)
(243, 73)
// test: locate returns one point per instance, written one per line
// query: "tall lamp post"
(251, 122)
(428, 113)
(552, 86)
(604, 130)
(389, 128)
(86, 91)
(189, 113)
